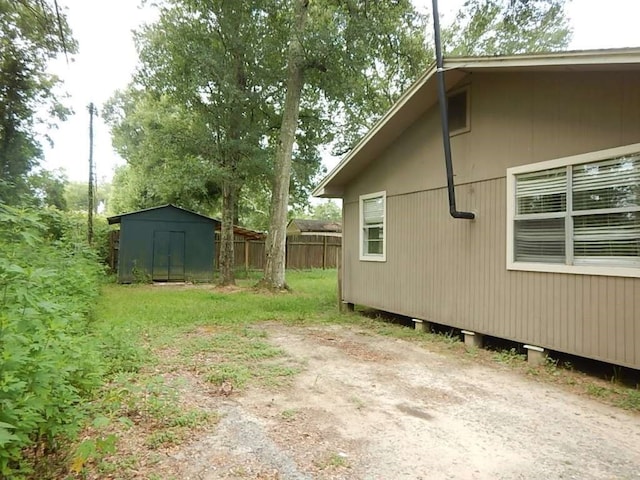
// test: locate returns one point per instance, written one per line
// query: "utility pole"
(91, 206)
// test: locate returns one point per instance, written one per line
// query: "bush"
(72, 227)
(48, 361)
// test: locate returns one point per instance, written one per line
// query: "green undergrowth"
(144, 408)
(50, 362)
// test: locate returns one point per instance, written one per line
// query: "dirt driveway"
(372, 407)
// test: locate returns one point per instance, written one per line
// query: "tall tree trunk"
(230, 188)
(274, 270)
(227, 255)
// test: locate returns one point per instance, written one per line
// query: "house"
(546, 152)
(166, 243)
(324, 228)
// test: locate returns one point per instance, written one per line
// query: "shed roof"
(306, 225)
(422, 95)
(118, 218)
(245, 232)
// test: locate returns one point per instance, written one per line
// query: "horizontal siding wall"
(453, 272)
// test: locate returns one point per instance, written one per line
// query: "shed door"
(168, 256)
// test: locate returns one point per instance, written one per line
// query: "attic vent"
(458, 107)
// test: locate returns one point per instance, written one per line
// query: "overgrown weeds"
(144, 406)
(50, 363)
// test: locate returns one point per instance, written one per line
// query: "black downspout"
(444, 119)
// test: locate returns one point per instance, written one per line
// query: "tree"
(328, 210)
(498, 27)
(164, 145)
(277, 236)
(76, 196)
(232, 86)
(208, 100)
(47, 188)
(195, 65)
(127, 191)
(31, 34)
(338, 48)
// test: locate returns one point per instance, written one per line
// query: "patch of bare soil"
(199, 286)
(373, 407)
(229, 289)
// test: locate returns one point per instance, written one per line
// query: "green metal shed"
(168, 243)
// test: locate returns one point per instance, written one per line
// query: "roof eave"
(572, 57)
(324, 192)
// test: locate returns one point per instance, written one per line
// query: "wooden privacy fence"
(312, 251)
(303, 252)
(249, 254)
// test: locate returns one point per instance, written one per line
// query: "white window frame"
(511, 214)
(373, 257)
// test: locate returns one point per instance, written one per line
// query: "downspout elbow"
(464, 215)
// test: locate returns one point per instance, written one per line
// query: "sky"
(107, 58)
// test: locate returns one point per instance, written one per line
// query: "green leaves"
(5, 434)
(499, 27)
(48, 361)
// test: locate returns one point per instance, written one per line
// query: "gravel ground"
(373, 407)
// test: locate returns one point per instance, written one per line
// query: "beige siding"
(516, 119)
(454, 271)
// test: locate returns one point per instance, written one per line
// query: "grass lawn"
(159, 312)
(159, 317)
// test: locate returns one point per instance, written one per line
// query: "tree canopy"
(31, 34)
(76, 197)
(499, 27)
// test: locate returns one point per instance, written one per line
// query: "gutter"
(444, 120)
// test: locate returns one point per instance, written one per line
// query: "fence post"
(324, 253)
(246, 254)
(339, 269)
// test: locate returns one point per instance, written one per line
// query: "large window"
(373, 218)
(576, 215)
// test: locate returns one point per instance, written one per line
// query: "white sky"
(107, 58)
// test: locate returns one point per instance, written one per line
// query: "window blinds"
(373, 211)
(602, 224)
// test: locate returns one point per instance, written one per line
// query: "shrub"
(48, 361)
